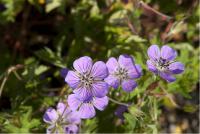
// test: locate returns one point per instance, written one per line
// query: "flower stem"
(120, 103)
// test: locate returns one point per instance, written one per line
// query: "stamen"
(121, 73)
(86, 79)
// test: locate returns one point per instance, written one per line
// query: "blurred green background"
(39, 37)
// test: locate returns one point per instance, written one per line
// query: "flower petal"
(86, 111)
(176, 67)
(72, 79)
(167, 76)
(128, 85)
(120, 111)
(83, 64)
(73, 102)
(112, 64)
(50, 116)
(100, 89)
(112, 81)
(61, 107)
(151, 66)
(100, 103)
(126, 61)
(99, 70)
(168, 53)
(51, 128)
(83, 93)
(153, 52)
(135, 71)
(70, 129)
(73, 118)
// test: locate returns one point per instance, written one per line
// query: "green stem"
(120, 103)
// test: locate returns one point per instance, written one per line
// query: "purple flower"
(87, 78)
(122, 72)
(162, 62)
(85, 108)
(120, 111)
(62, 120)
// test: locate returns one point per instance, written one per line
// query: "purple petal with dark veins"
(83, 92)
(112, 81)
(168, 53)
(99, 70)
(86, 111)
(151, 66)
(73, 102)
(50, 116)
(100, 89)
(100, 103)
(128, 85)
(153, 52)
(83, 64)
(167, 76)
(72, 79)
(176, 67)
(112, 64)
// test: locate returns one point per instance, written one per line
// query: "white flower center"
(86, 79)
(121, 73)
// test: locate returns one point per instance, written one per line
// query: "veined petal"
(128, 85)
(176, 67)
(100, 103)
(83, 64)
(51, 128)
(112, 64)
(73, 118)
(100, 89)
(71, 129)
(168, 53)
(50, 116)
(83, 93)
(126, 61)
(112, 81)
(99, 70)
(167, 76)
(73, 102)
(72, 79)
(135, 71)
(61, 107)
(86, 111)
(153, 52)
(151, 66)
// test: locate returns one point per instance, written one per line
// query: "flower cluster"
(91, 82)
(61, 120)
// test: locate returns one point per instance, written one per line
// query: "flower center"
(86, 79)
(121, 73)
(162, 64)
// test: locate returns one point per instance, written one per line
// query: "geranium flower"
(123, 72)
(62, 120)
(162, 62)
(86, 108)
(87, 79)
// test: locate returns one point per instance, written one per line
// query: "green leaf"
(48, 55)
(41, 69)
(52, 5)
